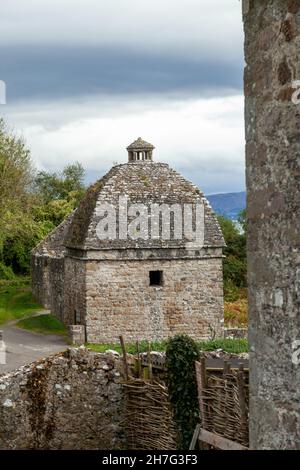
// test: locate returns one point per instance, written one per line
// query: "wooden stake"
(126, 372)
(203, 372)
(226, 369)
(149, 361)
(139, 360)
(195, 437)
(242, 399)
(201, 385)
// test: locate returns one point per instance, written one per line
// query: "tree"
(30, 205)
(17, 225)
(60, 193)
(65, 186)
(16, 173)
(235, 262)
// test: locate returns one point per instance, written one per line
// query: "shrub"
(6, 273)
(181, 354)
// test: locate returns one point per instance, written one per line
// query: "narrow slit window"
(77, 317)
(156, 278)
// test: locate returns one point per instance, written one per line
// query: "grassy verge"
(45, 324)
(16, 300)
(130, 348)
(235, 346)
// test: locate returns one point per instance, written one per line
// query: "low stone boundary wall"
(71, 400)
(236, 333)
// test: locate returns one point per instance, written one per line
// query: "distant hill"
(228, 204)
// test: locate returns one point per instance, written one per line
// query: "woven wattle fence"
(224, 401)
(148, 417)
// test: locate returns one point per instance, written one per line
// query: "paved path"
(24, 347)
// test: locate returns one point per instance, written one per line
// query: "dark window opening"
(156, 278)
(77, 317)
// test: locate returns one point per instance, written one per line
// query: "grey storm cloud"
(60, 48)
(55, 72)
(186, 27)
(85, 77)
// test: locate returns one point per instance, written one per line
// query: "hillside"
(228, 204)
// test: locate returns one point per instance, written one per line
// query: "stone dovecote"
(106, 284)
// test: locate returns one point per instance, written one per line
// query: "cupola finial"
(140, 151)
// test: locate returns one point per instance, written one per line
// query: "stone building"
(141, 257)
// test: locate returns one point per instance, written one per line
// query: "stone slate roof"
(54, 243)
(142, 183)
(140, 144)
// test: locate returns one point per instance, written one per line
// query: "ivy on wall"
(181, 354)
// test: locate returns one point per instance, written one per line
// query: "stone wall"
(237, 333)
(75, 291)
(56, 283)
(68, 401)
(40, 280)
(48, 283)
(120, 300)
(47, 269)
(272, 48)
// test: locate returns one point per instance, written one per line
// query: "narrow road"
(24, 347)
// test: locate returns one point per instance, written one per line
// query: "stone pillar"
(77, 334)
(272, 115)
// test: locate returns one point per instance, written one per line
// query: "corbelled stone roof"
(54, 243)
(147, 183)
(140, 144)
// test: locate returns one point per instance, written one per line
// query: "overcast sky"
(87, 77)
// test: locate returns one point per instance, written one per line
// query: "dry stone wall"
(71, 400)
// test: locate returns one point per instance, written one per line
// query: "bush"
(231, 291)
(181, 354)
(6, 273)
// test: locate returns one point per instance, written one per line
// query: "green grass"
(130, 348)
(235, 346)
(45, 324)
(16, 300)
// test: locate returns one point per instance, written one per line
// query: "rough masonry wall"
(74, 291)
(47, 269)
(56, 281)
(120, 300)
(272, 48)
(40, 280)
(48, 283)
(68, 401)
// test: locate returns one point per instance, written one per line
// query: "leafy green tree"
(242, 220)
(65, 186)
(60, 193)
(30, 205)
(15, 180)
(235, 263)
(16, 176)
